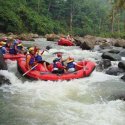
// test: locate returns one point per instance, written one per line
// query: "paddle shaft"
(28, 71)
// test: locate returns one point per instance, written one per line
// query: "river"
(86, 101)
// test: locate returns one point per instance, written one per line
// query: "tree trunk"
(71, 16)
(112, 21)
(38, 6)
(49, 6)
(100, 24)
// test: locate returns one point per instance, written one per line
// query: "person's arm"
(77, 64)
(15, 47)
(27, 61)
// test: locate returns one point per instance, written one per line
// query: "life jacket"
(55, 61)
(32, 59)
(70, 64)
(2, 49)
(12, 49)
(19, 46)
(38, 58)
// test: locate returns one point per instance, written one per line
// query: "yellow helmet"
(31, 49)
(70, 59)
(3, 43)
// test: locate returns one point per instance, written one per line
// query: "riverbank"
(23, 36)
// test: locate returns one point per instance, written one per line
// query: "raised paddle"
(28, 71)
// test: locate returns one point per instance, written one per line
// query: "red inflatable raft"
(41, 74)
(12, 56)
(65, 42)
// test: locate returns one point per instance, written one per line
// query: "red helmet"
(59, 54)
(4, 39)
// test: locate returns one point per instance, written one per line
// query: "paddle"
(28, 71)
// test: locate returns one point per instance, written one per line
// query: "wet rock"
(3, 65)
(122, 53)
(48, 47)
(103, 64)
(104, 45)
(114, 51)
(114, 71)
(111, 56)
(121, 65)
(51, 37)
(119, 43)
(85, 43)
(123, 77)
(4, 80)
(85, 46)
(119, 97)
(97, 48)
(26, 37)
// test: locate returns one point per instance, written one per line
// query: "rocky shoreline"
(23, 36)
(113, 50)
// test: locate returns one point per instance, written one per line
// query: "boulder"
(3, 66)
(103, 64)
(114, 71)
(119, 43)
(123, 77)
(48, 47)
(85, 43)
(122, 53)
(4, 80)
(121, 65)
(51, 37)
(114, 51)
(111, 56)
(104, 45)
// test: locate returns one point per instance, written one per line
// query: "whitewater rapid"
(87, 101)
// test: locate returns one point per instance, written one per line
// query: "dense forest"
(78, 17)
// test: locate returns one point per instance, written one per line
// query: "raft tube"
(39, 73)
(65, 42)
(13, 56)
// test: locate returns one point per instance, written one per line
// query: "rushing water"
(87, 101)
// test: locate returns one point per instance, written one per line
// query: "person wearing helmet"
(4, 39)
(30, 58)
(70, 64)
(17, 47)
(39, 59)
(3, 49)
(13, 48)
(20, 47)
(58, 68)
(69, 37)
(58, 65)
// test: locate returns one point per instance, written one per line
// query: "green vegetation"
(78, 17)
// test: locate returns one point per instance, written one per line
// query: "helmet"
(56, 60)
(3, 43)
(4, 39)
(70, 59)
(59, 54)
(31, 49)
